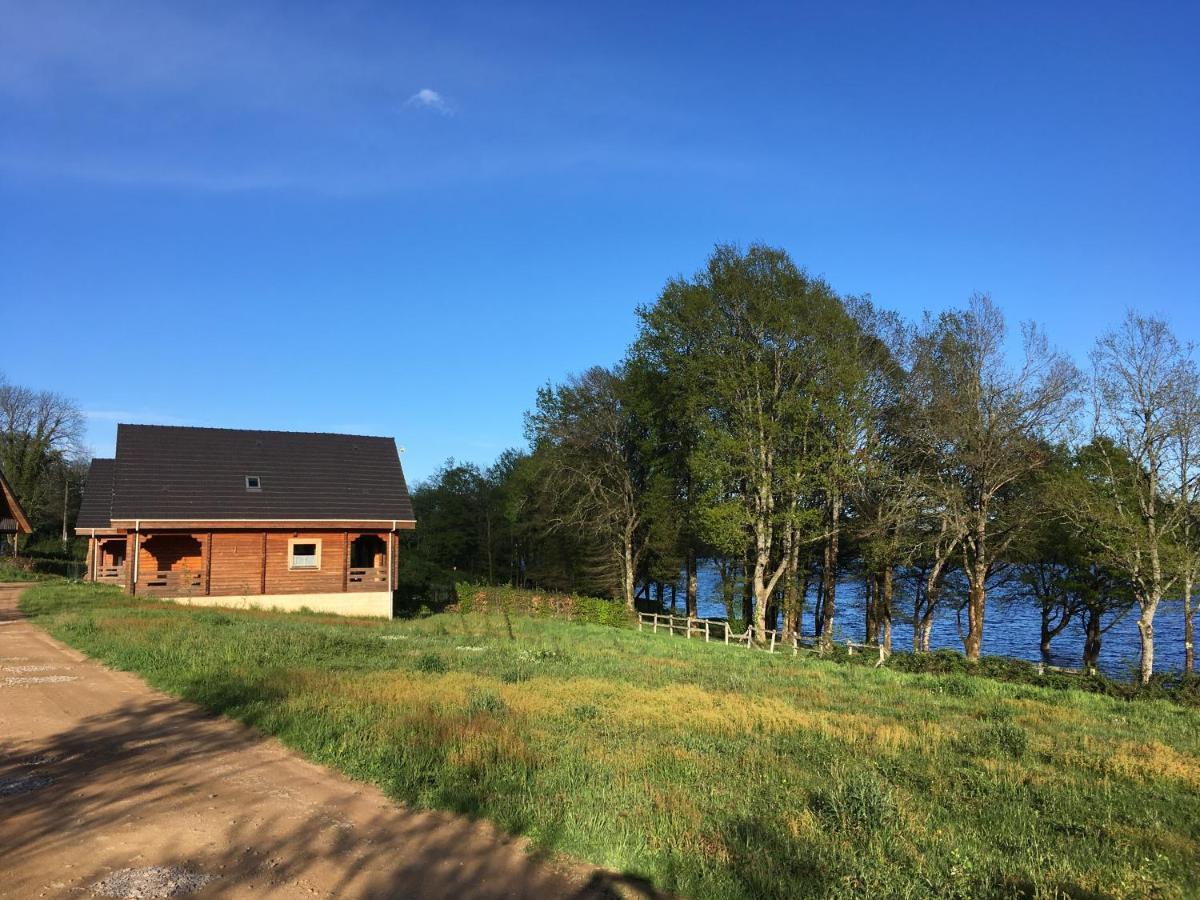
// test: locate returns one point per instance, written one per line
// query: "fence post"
(773, 636)
(640, 616)
(727, 634)
(655, 622)
(849, 649)
(706, 624)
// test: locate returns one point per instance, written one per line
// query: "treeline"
(45, 461)
(792, 436)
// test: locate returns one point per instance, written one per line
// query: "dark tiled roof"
(169, 472)
(95, 509)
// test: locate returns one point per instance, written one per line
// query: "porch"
(182, 565)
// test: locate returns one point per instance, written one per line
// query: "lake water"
(1012, 628)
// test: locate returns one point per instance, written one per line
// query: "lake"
(1012, 628)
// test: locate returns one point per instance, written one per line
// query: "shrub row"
(487, 598)
(1175, 686)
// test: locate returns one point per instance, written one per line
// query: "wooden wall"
(234, 566)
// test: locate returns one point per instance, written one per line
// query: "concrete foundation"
(365, 603)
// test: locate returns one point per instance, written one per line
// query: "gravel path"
(108, 788)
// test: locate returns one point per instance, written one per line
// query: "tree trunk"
(819, 606)
(1044, 644)
(977, 593)
(692, 601)
(629, 574)
(828, 600)
(747, 597)
(793, 604)
(933, 590)
(884, 609)
(1188, 624)
(659, 593)
(1092, 640)
(870, 598)
(1145, 626)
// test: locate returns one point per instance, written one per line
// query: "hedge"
(596, 610)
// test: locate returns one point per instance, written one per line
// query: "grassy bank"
(711, 771)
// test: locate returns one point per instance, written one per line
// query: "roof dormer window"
(253, 483)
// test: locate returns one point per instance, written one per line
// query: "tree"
(746, 334)
(41, 441)
(882, 494)
(977, 428)
(1143, 382)
(596, 465)
(1185, 431)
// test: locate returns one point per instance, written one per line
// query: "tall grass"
(712, 771)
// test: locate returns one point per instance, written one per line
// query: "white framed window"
(304, 553)
(253, 483)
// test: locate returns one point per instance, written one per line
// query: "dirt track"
(99, 773)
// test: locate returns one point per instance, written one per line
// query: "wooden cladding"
(245, 562)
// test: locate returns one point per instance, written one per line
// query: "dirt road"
(100, 774)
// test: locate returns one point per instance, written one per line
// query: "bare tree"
(978, 427)
(1143, 387)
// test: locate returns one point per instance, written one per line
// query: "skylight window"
(253, 483)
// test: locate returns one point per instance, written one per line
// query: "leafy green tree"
(596, 465)
(41, 451)
(748, 334)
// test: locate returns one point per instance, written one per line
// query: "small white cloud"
(427, 98)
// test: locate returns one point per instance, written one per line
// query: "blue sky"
(402, 220)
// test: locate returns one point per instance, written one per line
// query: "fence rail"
(718, 630)
(110, 574)
(165, 584)
(366, 579)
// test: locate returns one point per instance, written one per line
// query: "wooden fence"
(718, 630)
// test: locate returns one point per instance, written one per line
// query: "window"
(304, 554)
(253, 483)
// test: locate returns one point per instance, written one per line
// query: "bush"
(861, 803)
(517, 601)
(431, 664)
(485, 702)
(997, 737)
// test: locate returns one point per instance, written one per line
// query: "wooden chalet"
(12, 518)
(227, 517)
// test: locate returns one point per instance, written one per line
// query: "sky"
(402, 220)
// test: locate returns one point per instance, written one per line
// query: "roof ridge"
(381, 437)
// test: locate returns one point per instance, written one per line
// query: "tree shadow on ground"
(157, 782)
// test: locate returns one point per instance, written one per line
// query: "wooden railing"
(110, 574)
(369, 579)
(170, 584)
(719, 630)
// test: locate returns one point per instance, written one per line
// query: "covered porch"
(180, 565)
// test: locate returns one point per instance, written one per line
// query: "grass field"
(710, 771)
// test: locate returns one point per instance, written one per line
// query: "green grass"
(712, 771)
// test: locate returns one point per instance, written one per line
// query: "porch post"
(391, 557)
(208, 565)
(263, 580)
(345, 561)
(137, 553)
